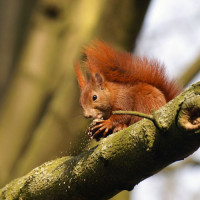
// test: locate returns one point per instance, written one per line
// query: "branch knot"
(189, 115)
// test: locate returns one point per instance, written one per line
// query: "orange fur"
(80, 77)
(122, 67)
(119, 81)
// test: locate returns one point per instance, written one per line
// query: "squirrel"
(120, 81)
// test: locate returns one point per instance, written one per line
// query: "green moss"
(124, 158)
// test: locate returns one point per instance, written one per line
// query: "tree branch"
(121, 160)
(190, 73)
(139, 114)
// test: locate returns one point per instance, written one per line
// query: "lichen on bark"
(117, 162)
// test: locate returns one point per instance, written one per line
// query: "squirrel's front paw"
(100, 128)
(119, 127)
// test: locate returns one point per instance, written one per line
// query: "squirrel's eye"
(94, 97)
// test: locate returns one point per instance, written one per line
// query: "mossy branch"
(121, 160)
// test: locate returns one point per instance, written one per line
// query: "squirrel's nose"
(88, 116)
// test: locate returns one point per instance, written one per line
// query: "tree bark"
(121, 160)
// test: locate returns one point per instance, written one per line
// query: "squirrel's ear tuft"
(98, 79)
(80, 76)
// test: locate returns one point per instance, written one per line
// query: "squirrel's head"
(95, 97)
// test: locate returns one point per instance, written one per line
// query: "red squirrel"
(120, 81)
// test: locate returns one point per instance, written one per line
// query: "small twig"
(143, 115)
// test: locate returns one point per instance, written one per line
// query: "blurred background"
(40, 116)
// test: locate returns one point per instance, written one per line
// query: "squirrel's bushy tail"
(124, 68)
